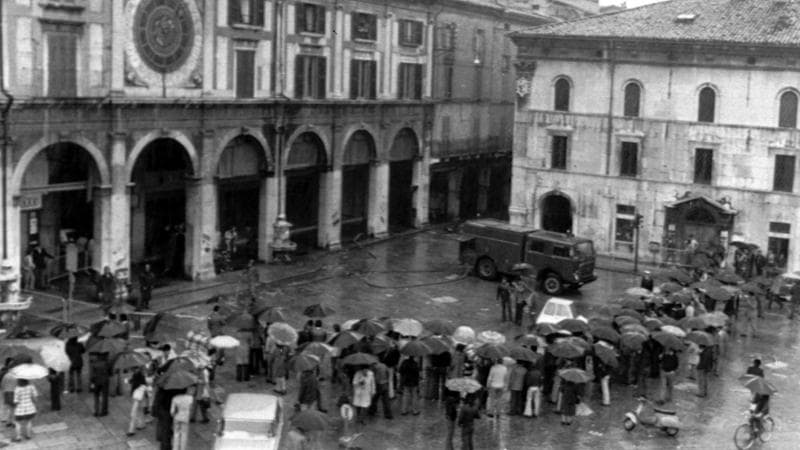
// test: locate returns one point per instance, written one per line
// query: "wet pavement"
(419, 276)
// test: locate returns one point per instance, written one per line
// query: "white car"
(250, 422)
(555, 310)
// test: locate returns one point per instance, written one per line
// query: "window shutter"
(320, 19)
(418, 33)
(354, 91)
(299, 76)
(234, 12)
(418, 82)
(321, 87)
(299, 18)
(372, 71)
(258, 10)
(401, 92)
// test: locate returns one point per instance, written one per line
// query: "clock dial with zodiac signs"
(164, 33)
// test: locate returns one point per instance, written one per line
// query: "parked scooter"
(650, 415)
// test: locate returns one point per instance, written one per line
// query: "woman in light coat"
(363, 390)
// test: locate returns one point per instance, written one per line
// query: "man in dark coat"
(466, 420)
(100, 379)
(704, 368)
(74, 351)
(504, 296)
(756, 369)
(451, 415)
(147, 279)
(647, 281)
(40, 258)
(308, 394)
(381, 390)
(107, 285)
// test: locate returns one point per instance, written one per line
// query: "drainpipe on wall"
(612, 72)
(5, 118)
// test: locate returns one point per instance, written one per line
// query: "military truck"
(556, 260)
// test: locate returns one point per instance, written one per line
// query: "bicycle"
(746, 434)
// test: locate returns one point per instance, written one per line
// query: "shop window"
(707, 103)
(310, 18)
(780, 227)
(365, 26)
(562, 93)
(245, 73)
(703, 165)
(558, 158)
(362, 79)
(625, 225)
(628, 159)
(310, 76)
(779, 248)
(633, 94)
(62, 79)
(783, 180)
(246, 12)
(788, 111)
(410, 33)
(409, 81)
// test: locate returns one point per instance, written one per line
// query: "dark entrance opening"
(439, 191)
(158, 218)
(556, 213)
(402, 154)
(358, 154)
(470, 190)
(499, 193)
(241, 170)
(63, 176)
(304, 165)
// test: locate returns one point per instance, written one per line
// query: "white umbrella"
(348, 324)
(464, 335)
(672, 329)
(491, 337)
(407, 327)
(223, 341)
(56, 358)
(28, 372)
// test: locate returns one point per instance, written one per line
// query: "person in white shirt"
(496, 384)
(140, 399)
(180, 409)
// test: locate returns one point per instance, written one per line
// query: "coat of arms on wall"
(523, 87)
(164, 40)
(525, 71)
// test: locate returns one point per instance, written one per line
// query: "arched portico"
(357, 183)
(403, 154)
(305, 162)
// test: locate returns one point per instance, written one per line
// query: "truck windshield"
(584, 250)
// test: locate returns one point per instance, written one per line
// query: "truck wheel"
(486, 269)
(552, 284)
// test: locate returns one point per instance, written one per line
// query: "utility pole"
(637, 224)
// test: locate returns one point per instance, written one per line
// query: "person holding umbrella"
(74, 351)
(451, 400)
(100, 383)
(25, 395)
(308, 393)
(669, 365)
(466, 420)
(569, 401)
(704, 368)
(409, 382)
(363, 391)
(504, 297)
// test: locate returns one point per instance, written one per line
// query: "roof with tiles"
(756, 22)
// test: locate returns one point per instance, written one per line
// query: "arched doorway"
(57, 206)
(701, 225)
(240, 175)
(305, 162)
(158, 207)
(402, 154)
(356, 182)
(557, 213)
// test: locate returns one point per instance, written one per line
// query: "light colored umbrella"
(606, 354)
(223, 341)
(700, 338)
(653, 324)
(283, 333)
(632, 341)
(55, 357)
(28, 371)
(463, 385)
(715, 318)
(199, 359)
(638, 292)
(635, 328)
(407, 327)
(349, 325)
(318, 349)
(757, 385)
(491, 337)
(464, 335)
(672, 329)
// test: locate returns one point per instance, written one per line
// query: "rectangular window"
(62, 79)
(246, 12)
(479, 46)
(780, 227)
(625, 224)
(448, 81)
(365, 26)
(703, 165)
(537, 246)
(628, 159)
(558, 159)
(310, 18)
(784, 173)
(445, 143)
(410, 81)
(245, 73)
(444, 36)
(310, 76)
(410, 33)
(362, 79)
(561, 251)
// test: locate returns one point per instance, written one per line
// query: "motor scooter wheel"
(628, 424)
(671, 431)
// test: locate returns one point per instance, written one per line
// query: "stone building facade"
(683, 112)
(146, 129)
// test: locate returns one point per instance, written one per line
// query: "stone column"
(269, 213)
(454, 193)
(337, 71)
(113, 206)
(378, 199)
(117, 46)
(521, 205)
(330, 209)
(105, 251)
(388, 57)
(428, 91)
(201, 220)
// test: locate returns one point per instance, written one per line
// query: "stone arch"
(396, 130)
(226, 138)
(22, 165)
(147, 139)
(350, 136)
(349, 132)
(554, 215)
(313, 129)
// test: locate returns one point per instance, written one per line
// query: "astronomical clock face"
(164, 33)
(163, 42)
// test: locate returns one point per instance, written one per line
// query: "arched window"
(633, 94)
(706, 105)
(788, 114)
(562, 89)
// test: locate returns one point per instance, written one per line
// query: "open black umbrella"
(753, 288)
(606, 354)
(632, 341)
(415, 348)
(575, 375)
(108, 345)
(700, 338)
(272, 315)
(438, 344)
(565, 349)
(493, 351)
(606, 334)
(728, 277)
(111, 328)
(521, 353)
(177, 379)
(573, 325)
(369, 327)
(668, 340)
(718, 294)
(311, 420)
(439, 326)
(359, 359)
(318, 310)
(68, 330)
(678, 276)
(669, 287)
(345, 339)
